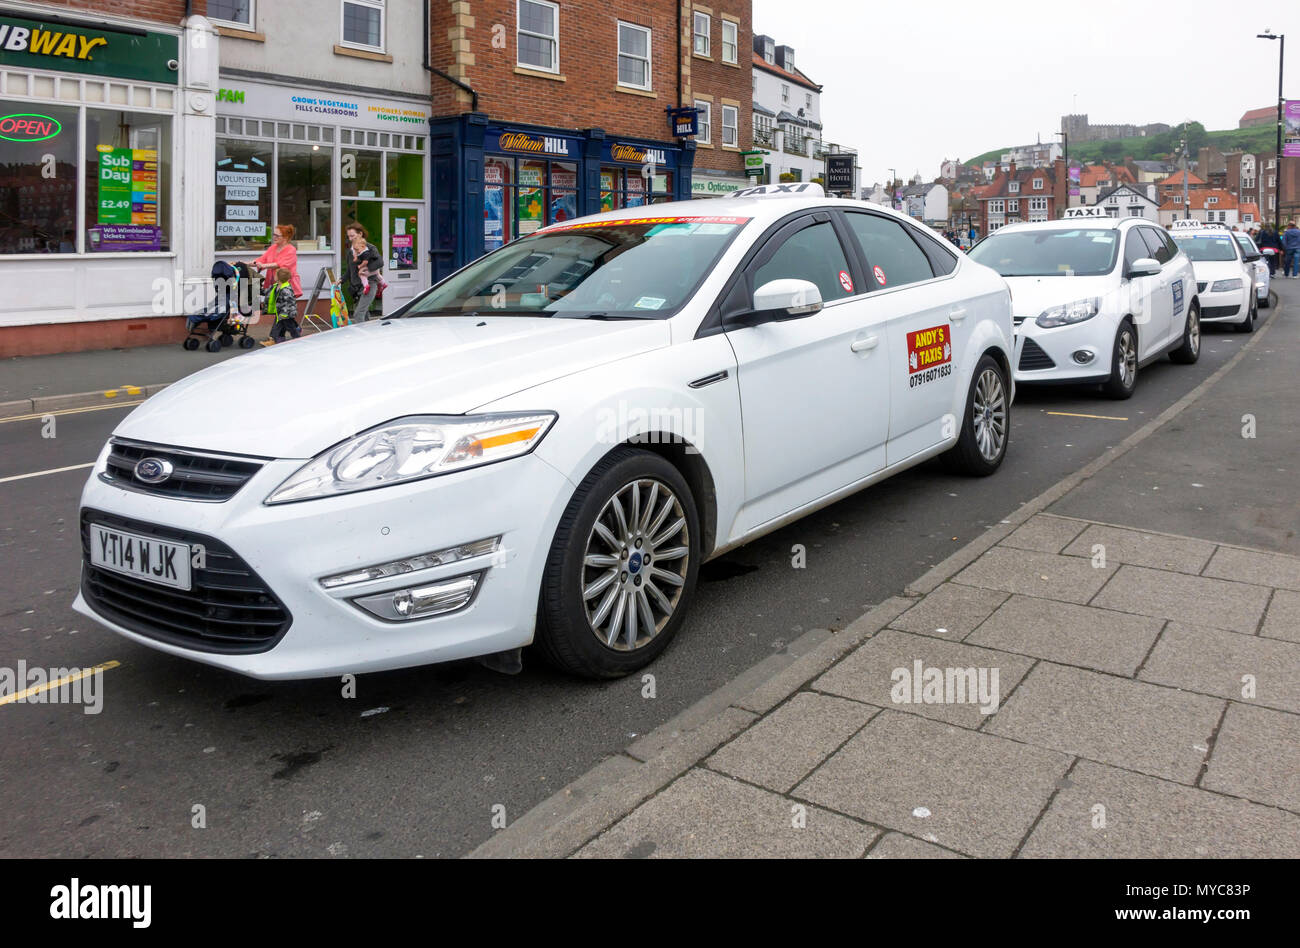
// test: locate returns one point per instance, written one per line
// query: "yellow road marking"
(1070, 414)
(68, 411)
(53, 685)
(57, 470)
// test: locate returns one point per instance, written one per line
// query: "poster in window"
(635, 191)
(532, 175)
(608, 184)
(564, 195)
(496, 175)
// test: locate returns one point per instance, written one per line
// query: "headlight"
(413, 448)
(1069, 314)
(1224, 286)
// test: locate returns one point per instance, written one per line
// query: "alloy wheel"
(1127, 354)
(635, 564)
(989, 410)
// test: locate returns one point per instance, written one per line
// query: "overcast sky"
(911, 84)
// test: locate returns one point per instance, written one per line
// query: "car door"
(814, 391)
(926, 327)
(1159, 301)
(1140, 290)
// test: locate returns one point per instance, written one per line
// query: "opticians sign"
(30, 43)
(26, 127)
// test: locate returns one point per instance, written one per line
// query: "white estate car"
(1095, 298)
(1225, 281)
(546, 444)
(1255, 260)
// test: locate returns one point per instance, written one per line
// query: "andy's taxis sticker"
(929, 355)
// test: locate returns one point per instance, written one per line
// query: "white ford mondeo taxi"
(546, 445)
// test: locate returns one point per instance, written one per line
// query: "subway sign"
(89, 50)
(27, 127)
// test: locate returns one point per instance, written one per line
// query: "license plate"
(147, 558)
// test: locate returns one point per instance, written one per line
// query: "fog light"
(422, 602)
(412, 563)
(1083, 356)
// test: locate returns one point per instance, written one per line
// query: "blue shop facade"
(494, 182)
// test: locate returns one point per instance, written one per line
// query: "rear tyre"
(226, 338)
(985, 426)
(247, 342)
(191, 343)
(1248, 325)
(214, 345)
(1123, 362)
(1190, 350)
(622, 568)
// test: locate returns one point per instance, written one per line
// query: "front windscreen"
(1049, 252)
(641, 268)
(1207, 247)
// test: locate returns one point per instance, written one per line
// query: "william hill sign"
(122, 54)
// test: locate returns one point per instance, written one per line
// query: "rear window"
(1208, 247)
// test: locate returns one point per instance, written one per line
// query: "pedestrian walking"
(363, 266)
(282, 307)
(281, 253)
(1270, 241)
(1291, 247)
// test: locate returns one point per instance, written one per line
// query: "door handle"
(958, 314)
(865, 343)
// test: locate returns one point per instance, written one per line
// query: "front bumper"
(1048, 355)
(291, 547)
(1229, 307)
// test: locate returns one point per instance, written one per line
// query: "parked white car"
(548, 443)
(1225, 280)
(1251, 252)
(1095, 298)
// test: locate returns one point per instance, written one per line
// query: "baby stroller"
(228, 315)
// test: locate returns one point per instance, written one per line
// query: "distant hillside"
(1154, 146)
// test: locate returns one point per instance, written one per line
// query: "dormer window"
(769, 51)
(789, 60)
(1038, 184)
(1015, 187)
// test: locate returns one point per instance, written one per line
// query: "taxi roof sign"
(1191, 223)
(793, 189)
(1093, 211)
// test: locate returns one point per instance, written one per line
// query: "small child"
(368, 268)
(282, 307)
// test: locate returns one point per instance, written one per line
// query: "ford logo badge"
(153, 470)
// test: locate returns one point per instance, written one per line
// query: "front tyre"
(1190, 350)
(622, 567)
(1124, 363)
(1248, 325)
(982, 444)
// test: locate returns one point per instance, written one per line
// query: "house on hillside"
(1207, 204)
(1131, 200)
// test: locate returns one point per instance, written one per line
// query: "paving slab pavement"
(1147, 645)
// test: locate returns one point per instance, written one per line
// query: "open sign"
(26, 127)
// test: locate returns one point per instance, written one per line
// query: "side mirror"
(1252, 257)
(774, 301)
(1143, 267)
(786, 299)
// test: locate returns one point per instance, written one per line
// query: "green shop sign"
(94, 51)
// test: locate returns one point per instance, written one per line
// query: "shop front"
(319, 160)
(93, 246)
(518, 179)
(715, 186)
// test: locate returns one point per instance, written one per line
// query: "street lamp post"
(893, 192)
(1065, 138)
(1281, 102)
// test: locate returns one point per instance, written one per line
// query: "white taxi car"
(548, 443)
(1095, 298)
(1225, 281)
(1250, 252)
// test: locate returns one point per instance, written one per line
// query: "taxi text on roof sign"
(1093, 211)
(798, 189)
(1191, 223)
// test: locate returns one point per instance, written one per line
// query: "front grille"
(1218, 312)
(229, 610)
(195, 475)
(1032, 357)
(1200, 287)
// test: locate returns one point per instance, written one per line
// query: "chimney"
(1012, 170)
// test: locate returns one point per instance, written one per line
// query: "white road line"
(37, 416)
(57, 470)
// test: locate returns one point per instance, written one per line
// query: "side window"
(1135, 248)
(941, 258)
(1156, 244)
(891, 253)
(1168, 238)
(814, 254)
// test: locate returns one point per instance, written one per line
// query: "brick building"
(1023, 194)
(1255, 179)
(548, 110)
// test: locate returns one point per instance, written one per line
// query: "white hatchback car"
(1095, 298)
(1225, 281)
(1255, 259)
(546, 444)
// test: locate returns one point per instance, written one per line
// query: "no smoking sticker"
(880, 276)
(846, 281)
